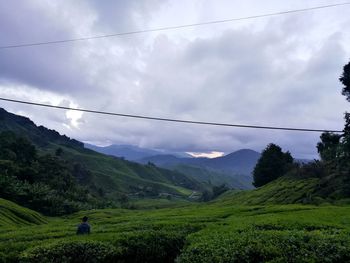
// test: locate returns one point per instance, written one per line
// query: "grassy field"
(216, 232)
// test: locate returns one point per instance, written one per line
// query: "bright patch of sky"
(207, 155)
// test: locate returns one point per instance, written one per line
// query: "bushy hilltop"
(51, 173)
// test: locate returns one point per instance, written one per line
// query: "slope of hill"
(284, 190)
(12, 214)
(290, 189)
(106, 177)
(214, 177)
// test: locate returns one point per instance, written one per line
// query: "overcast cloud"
(277, 71)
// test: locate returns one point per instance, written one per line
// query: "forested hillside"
(54, 174)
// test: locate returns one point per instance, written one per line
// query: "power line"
(171, 120)
(171, 27)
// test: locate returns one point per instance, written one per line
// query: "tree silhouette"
(329, 146)
(272, 164)
(345, 80)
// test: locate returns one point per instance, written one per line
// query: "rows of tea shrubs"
(136, 246)
(268, 246)
(239, 246)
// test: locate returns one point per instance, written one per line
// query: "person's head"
(85, 219)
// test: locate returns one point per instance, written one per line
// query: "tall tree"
(272, 164)
(345, 80)
(329, 146)
(345, 154)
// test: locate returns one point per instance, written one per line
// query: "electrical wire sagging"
(171, 120)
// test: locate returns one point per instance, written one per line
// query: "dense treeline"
(43, 182)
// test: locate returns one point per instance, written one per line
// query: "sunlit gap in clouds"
(212, 154)
(70, 119)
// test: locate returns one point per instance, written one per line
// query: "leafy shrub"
(268, 246)
(151, 246)
(71, 252)
(141, 246)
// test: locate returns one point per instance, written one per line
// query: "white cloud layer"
(279, 71)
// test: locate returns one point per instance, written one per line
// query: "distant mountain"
(165, 160)
(130, 152)
(239, 165)
(241, 162)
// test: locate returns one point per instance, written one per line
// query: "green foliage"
(268, 246)
(344, 157)
(17, 149)
(272, 164)
(214, 193)
(156, 246)
(207, 196)
(218, 190)
(71, 252)
(329, 146)
(44, 183)
(345, 80)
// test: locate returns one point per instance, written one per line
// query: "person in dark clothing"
(84, 227)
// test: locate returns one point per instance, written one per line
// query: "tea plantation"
(220, 231)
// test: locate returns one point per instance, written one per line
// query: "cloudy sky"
(275, 71)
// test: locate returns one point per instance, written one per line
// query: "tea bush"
(71, 252)
(151, 246)
(130, 247)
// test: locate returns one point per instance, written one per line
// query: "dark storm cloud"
(47, 67)
(67, 67)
